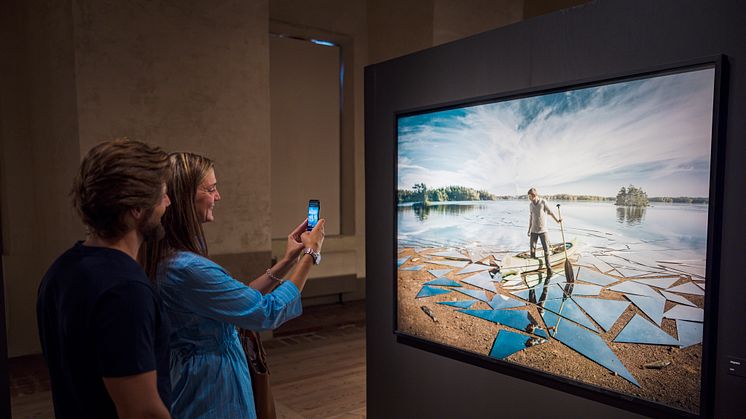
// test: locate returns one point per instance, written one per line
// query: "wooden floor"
(319, 375)
(314, 374)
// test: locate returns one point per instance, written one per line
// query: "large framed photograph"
(568, 234)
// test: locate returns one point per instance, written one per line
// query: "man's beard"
(151, 228)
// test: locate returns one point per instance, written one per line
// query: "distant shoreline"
(633, 197)
(611, 201)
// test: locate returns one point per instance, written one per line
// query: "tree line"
(630, 196)
(421, 193)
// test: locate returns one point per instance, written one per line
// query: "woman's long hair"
(180, 221)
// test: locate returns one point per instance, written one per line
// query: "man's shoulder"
(95, 267)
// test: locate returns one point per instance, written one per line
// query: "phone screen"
(313, 213)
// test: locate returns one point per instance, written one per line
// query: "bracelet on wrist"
(273, 277)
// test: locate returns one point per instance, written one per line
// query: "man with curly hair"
(103, 334)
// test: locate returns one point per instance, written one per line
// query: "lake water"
(677, 231)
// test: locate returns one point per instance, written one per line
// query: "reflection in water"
(630, 215)
(422, 212)
(501, 225)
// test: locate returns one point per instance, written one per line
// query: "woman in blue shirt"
(209, 374)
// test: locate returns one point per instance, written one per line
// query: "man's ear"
(136, 213)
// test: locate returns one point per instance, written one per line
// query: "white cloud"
(652, 131)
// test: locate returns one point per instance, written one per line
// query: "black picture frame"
(714, 232)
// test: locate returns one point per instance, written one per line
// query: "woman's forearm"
(302, 269)
(265, 283)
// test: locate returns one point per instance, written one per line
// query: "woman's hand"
(314, 238)
(295, 245)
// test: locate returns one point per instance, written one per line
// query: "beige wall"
(188, 75)
(184, 75)
(304, 103)
(39, 159)
(397, 28)
(456, 19)
(345, 22)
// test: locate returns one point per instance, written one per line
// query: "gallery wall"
(40, 154)
(185, 75)
(590, 41)
(182, 75)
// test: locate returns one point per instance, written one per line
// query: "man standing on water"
(537, 225)
(104, 337)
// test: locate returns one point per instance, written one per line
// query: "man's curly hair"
(115, 177)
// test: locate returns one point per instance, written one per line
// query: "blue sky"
(654, 133)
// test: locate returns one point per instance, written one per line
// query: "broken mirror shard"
(537, 294)
(632, 273)
(459, 304)
(640, 260)
(501, 301)
(568, 309)
(517, 319)
(401, 261)
(558, 278)
(631, 287)
(639, 330)
(603, 312)
(652, 307)
(658, 282)
(698, 271)
(589, 275)
(690, 333)
(507, 343)
(478, 294)
(676, 298)
(481, 280)
(439, 272)
(586, 343)
(573, 289)
(428, 291)
(443, 282)
(453, 263)
(679, 312)
(474, 267)
(687, 288)
(412, 268)
(595, 261)
(513, 284)
(450, 254)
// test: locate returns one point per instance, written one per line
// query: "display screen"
(613, 296)
(313, 213)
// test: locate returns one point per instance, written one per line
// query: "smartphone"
(313, 213)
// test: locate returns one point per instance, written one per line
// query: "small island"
(631, 196)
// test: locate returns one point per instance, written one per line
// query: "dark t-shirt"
(99, 317)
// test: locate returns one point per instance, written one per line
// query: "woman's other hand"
(314, 238)
(295, 245)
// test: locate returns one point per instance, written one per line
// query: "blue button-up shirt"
(209, 375)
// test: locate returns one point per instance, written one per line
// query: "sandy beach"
(675, 383)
